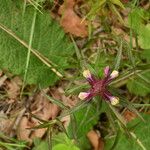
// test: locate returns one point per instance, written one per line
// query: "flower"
(100, 86)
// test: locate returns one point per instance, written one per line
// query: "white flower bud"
(83, 95)
(87, 74)
(114, 100)
(114, 74)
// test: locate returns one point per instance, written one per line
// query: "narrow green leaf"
(55, 101)
(86, 118)
(118, 58)
(45, 125)
(118, 3)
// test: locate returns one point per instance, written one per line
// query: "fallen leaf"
(22, 132)
(95, 140)
(2, 80)
(43, 109)
(128, 115)
(14, 86)
(70, 21)
(5, 123)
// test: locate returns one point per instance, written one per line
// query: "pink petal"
(107, 71)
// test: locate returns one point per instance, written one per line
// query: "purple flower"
(100, 86)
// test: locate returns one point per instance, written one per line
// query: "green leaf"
(49, 41)
(146, 54)
(64, 147)
(85, 119)
(139, 139)
(62, 142)
(40, 145)
(96, 6)
(138, 21)
(12, 143)
(118, 3)
(135, 19)
(84, 143)
(139, 85)
(144, 37)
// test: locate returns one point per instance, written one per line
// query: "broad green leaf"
(146, 54)
(144, 37)
(139, 85)
(138, 21)
(48, 39)
(135, 19)
(139, 139)
(84, 143)
(85, 119)
(65, 147)
(59, 142)
(62, 142)
(40, 145)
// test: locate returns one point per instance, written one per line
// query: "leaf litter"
(15, 119)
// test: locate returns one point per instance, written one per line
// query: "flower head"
(100, 86)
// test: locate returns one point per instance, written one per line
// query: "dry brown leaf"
(2, 80)
(22, 132)
(68, 101)
(13, 87)
(95, 140)
(43, 109)
(5, 123)
(128, 115)
(70, 21)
